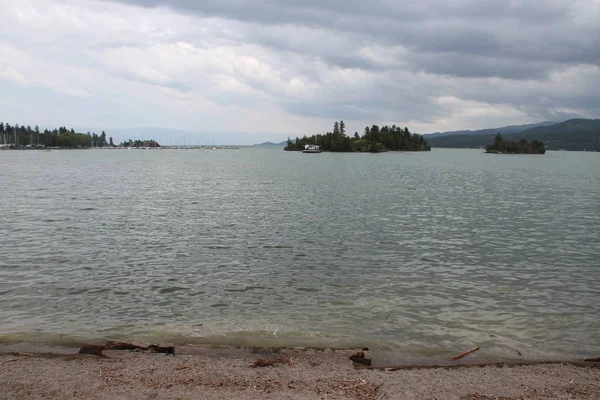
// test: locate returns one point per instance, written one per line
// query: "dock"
(197, 147)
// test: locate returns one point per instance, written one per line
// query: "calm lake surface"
(426, 253)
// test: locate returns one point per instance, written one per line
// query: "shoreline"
(271, 373)
(387, 354)
(371, 359)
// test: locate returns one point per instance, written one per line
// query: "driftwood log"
(122, 346)
(261, 362)
(153, 348)
(98, 350)
(92, 349)
(464, 353)
(360, 358)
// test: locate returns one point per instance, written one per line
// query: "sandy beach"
(309, 374)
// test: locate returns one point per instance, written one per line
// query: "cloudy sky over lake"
(271, 68)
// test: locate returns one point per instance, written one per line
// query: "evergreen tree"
(374, 133)
(498, 140)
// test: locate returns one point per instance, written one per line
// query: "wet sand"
(307, 374)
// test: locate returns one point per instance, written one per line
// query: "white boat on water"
(311, 148)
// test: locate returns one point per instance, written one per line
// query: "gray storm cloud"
(287, 66)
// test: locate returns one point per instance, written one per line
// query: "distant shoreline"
(191, 147)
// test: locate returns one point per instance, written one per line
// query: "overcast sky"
(271, 68)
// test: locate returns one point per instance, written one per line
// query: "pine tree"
(375, 133)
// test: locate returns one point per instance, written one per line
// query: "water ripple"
(401, 251)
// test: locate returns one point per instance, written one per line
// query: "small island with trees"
(500, 146)
(374, 140)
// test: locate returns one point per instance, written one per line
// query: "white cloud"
(295, 68)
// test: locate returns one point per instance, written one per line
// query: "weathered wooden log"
(153, 348)
(360, 358)
(157, 348)
(122, 346)
(261, 362)
(92, 349)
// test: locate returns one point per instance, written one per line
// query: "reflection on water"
(427, 252)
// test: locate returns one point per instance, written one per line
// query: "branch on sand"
(464, 353)
(13, 360)
(20, 353)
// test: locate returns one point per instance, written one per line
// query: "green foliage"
(139, 143)
(513, 147)
(73, 140)
(21, 136)
(374, 139)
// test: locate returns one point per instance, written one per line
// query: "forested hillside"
(574, 134)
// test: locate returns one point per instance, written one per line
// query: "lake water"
(424, 253)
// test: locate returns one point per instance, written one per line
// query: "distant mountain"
(271, 144)
(503, 130)
(574, 134)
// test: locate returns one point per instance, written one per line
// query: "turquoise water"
(417, 252)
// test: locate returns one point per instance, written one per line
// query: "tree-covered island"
(500, 146)
(374, 140)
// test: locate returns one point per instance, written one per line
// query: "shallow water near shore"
(420, 253)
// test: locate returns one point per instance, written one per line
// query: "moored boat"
(311, 148)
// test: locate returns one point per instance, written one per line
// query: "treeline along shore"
(25, 137)
(373, 139)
